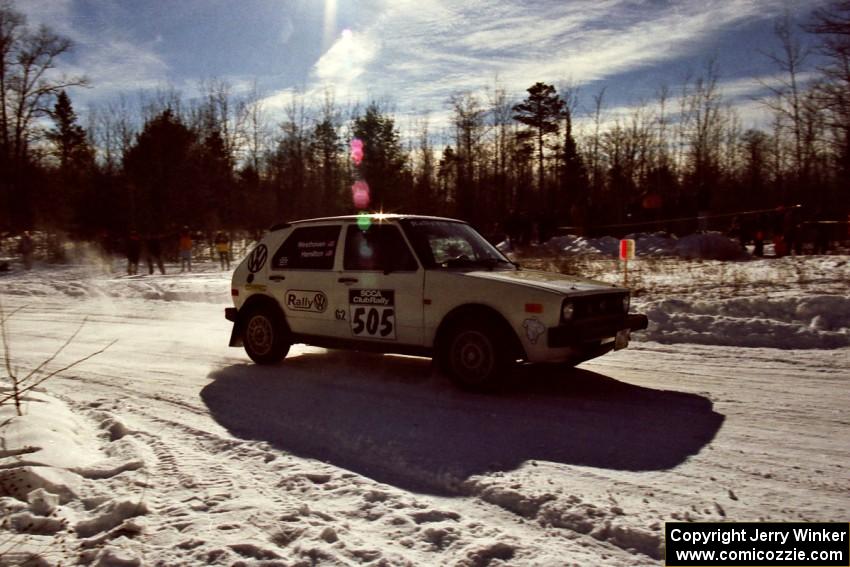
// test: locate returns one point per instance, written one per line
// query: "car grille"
(598, 305)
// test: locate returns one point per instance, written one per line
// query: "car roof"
(355, 218)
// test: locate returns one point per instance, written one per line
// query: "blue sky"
(417, 53)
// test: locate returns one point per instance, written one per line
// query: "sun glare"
(330, 22)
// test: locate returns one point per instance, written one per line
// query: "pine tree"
(383, 159)
(161, 170)
(71, 145)
(70, 196)
(541, 111)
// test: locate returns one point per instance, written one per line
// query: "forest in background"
(158, 161)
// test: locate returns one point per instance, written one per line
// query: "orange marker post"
(627, 252)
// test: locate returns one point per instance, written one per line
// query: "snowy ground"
(172, 449)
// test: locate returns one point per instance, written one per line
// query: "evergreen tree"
(71, 145)
(214, 185)
(326, 147)
(383, 159)
(69, 199)
(162, 173)
(570, 202)
(541, 111)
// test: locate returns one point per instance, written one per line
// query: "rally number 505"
(377, 322)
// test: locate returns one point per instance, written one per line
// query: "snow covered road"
(176, 450)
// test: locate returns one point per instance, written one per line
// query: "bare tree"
(27, 89)
(468, 120)
(596, 177)
(255, 123)
(832, 24)
(787, 93)
(113, 129)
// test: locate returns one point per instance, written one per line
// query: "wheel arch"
(479, 312)
(256, 301)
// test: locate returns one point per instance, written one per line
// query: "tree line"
(217, 161)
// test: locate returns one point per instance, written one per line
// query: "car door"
(301, 277)
(378, 296)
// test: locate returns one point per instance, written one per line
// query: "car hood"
(551, 281)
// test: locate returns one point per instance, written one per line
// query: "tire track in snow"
(201, 469)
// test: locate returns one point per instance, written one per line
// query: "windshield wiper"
(462, 261)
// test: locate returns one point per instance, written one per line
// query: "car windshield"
(448, 245)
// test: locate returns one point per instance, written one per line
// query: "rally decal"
(372, 313)
(305, 300)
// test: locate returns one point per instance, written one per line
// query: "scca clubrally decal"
(257, 259)
(372, 313)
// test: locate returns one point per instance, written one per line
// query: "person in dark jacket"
(25, 247)
(134, 251)
(154, 254)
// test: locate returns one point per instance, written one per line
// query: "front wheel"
(265, 337)
(475, 357)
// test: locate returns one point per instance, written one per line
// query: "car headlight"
(568, 310)
(627, 302)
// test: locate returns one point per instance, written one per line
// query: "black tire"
(265, 336)
(475, 355)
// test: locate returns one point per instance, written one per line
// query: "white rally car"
(418, 285)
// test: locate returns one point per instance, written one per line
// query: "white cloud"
(417, 51)
(111, 62)
(346, 60)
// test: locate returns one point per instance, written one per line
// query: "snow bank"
(205, 284)
(814, 322)
(50, 465)
(708, 246)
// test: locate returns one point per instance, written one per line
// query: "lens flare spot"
(357, 151)
(360, 194)
(346, 33)
(365, 250)
(364, 221)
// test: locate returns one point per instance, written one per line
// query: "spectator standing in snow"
(154, 254)
(25, 247)
(222, 246)
(758, 237)
(736, 232)
(791, 231)
(185, 247)
(134, 251)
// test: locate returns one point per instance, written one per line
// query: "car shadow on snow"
(392, 419)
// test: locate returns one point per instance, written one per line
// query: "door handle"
(277, 278)
(348, 280)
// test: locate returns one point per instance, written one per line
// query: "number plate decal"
(372, 313)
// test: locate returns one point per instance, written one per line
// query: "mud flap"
(622, 339)
(231, 314)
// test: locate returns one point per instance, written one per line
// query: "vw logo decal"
(258, 258)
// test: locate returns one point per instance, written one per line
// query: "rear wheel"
(265, 336)
(475, 356)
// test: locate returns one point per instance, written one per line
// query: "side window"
(379, 247)
(308, 248)
(447, 248)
